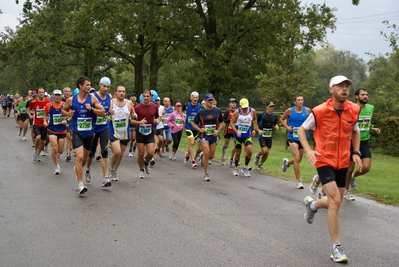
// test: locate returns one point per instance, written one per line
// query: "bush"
(386, 142)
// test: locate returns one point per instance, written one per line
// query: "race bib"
(84, 124)
(57, 119)
(295, 131)
(364, 125)
(145, 129)
(101, 120)
(39, 113)
(244, 128)
(267, 132)
(190, 119)
(22, 110)
(179, 121)
(120, 123)
(210, 129)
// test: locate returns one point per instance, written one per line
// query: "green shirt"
(365, 121)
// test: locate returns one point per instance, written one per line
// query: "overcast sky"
(358, 27)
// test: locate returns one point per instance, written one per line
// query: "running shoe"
(68, 157)
(34, 156)
(174, 157)
(46, 149)
(249, 167)
(256, 160)
(147, 168)
(299, 184)
(38, 158)
(33, 144)
(186, 157)
(42, 153)
(315, 184)
(193, 164)
(106, 182)
(19, 132)
(201, 157)
(23, 138)
(130, 155)
(114, 176)
(260, 167)
(338, 255)
(231, 162)
(223, 161)
(57, 170)
(98, 158)
(353, 183)
(152, 162)
(246, 172)
(348, 195)
(235, 172)
(160, 154)
(88, 176)
(81, 189)
(285, 164)
(309, 214)
(206, 177)
(171, 155)
(141, 174)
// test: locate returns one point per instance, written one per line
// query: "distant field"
(380, 184)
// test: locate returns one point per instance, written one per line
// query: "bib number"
(84, 124)
(191, 119)
(57, 119)
(179, 121)
(145, 129)
(39, 113)
(267, 132)
(120, 123)
(295, 131)
(364, 125)
(243, 128)
(210, 129)
(101, 120)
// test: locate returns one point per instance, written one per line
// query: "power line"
(343, 20)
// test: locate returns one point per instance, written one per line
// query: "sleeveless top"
(82, 119)
(243, 124)
(190, 114)
(101, 123)
(119, 125)
(295, 121)
(168, 111)
(55, 119)
(22, 107)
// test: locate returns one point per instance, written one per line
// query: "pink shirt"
(176, 121)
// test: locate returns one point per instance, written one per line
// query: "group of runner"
(91, 119)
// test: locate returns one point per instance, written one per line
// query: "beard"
(363, 101)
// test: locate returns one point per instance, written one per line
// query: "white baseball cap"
(57, 92)
(339, 79)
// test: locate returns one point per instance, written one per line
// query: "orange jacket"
(333, 132)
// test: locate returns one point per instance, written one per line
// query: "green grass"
(380, 184)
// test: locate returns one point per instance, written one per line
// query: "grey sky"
(358, 27)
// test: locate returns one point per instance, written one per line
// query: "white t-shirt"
(161, 111)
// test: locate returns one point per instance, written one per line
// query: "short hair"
(147, 91)
(360, 89)
(295, 97)
(81, 80)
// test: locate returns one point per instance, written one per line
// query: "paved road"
(173, 218)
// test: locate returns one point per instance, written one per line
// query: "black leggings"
(104, 138)
(176, 140)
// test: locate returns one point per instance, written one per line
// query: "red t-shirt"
(38, 110)
(149, 113)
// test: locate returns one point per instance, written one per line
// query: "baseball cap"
(46, 94)
(232, 100)
(195, 93)
(178, 104)
(92, 90)
(133, 94)
(209, 96)
(339, 79)
(105, 80)
(24, 94)
(269, 103)
(158, 99)
(244, 103)
(34, 93)
(57, 92)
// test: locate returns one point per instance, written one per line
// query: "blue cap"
(105, 80)
(209, 96)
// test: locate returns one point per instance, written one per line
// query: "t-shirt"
(38, 111)
(149, 113)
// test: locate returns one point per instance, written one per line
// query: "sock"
(236, 162)
(247, 160)
(336, 244)
(312, 206)
(80, 182)
(224, 152)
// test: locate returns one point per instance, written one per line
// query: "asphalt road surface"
(173, 217)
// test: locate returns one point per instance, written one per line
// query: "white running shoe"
(285, 164)
(81, 189)
(34, 156)
(223, 162)
(39, 159)
(206, 177)
(235, 172)
(147, 168)
(141, 174)
(338, 255)
(106, 182)
(353, 183)
(193, 164)
(231, 162)
(348, 195)
(246, 172)
(23, 138)
(299, 184)
(42, 153)
(114, 176)
(260, 167)
(186, 157)
(130, 155)
(256, 160)
(309, 213)
(314, 184)
(57, 170)
(46, 149)
(88, 176)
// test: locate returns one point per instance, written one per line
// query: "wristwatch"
(357, 153)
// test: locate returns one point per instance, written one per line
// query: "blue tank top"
(55, 119)
(168, 111)
(190, 114)
(82, 119)
(295, 121)
(101, 123)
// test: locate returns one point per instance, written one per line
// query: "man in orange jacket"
(333, 123)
